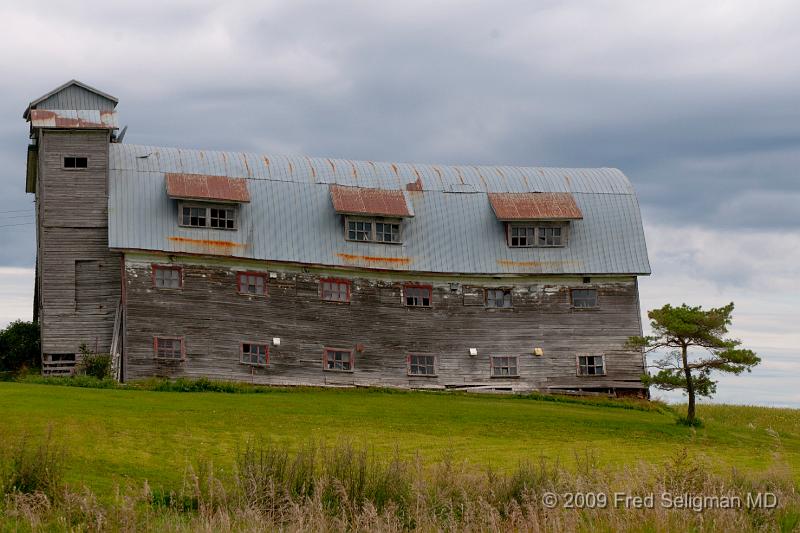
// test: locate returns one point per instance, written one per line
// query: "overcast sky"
(698, 103)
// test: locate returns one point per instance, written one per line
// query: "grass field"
(118, 435)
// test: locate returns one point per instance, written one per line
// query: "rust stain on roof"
(394, 169)
(44, 118)
(535, 206)
(415, 186)
(246, 166)
(202, 187)
(363, 201)
(333, 167)
(355, 172)
(226, 245)
(374, 260)
(311, 166)
(291, 168)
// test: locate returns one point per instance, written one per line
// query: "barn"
(294, 270)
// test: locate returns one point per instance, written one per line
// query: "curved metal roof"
(291, 217)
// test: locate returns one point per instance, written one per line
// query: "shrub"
(34, 467)
(19, 346)
(96, 365)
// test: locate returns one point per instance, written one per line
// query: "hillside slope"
(116, 435)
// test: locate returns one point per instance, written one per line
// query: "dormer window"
(207, 216)
(535, 219)
(537, 234)
(372, 230)
(371, 215)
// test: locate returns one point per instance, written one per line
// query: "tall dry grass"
(346, 487)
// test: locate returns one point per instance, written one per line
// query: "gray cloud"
(697, 103)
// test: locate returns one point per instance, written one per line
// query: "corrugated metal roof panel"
(376, 202)
(73, 118)
(202, 187)
(73, 95)
(291, 217)
(534, 206)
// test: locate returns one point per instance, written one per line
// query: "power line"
(16, 211)
(18, 216)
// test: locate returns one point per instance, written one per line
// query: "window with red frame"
(417, 295)
(255, 354)
(168, 348)
(335, 290)
(254, 283)
(338, 359)
(167, 277)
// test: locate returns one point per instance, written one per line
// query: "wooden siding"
(79, 278)
(213, 318)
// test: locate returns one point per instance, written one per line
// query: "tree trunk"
(689, 384)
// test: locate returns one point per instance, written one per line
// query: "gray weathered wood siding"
(79, 276)
(214, 319)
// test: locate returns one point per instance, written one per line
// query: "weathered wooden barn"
(299, 270)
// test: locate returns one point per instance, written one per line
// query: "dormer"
(207, 201)
(535, 219)
(371, 215)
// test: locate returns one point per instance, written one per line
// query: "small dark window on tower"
(417, 295)
(73, 162)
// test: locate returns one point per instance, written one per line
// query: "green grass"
(115, 435)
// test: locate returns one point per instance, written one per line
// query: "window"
(255, 354)
(584, 298)
(222, 217)
(335, 290)
(336, 359)
(417, 295)
(73, 162)
(373, 230)
(504, 366)
(204, 216)
(521, 236)
(421, 365)
(498, 298)
(168, 348)
(254, 283)
(358, 230)
(167, 277)
(550, 236)
(591, 365)
(540, 234)
(386, 232)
